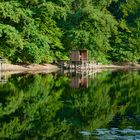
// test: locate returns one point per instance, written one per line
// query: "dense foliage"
(39, 31)
(46, 107)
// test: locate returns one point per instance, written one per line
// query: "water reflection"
(46, 107)
(79, 80)
(113, 134)
(3, 78)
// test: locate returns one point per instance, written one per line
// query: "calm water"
(105, 106)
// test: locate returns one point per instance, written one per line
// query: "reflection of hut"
(79, 55)
(3, 78)
(79, 82)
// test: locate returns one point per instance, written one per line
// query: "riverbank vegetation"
(44, 31)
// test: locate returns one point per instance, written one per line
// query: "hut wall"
(75, 56)
(78, 55)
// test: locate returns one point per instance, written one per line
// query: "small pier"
(83, 65)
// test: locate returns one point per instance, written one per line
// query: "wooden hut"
(79, 61)
(79, 55)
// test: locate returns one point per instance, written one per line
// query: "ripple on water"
(113, 134)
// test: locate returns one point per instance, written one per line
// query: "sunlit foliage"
(38, 31)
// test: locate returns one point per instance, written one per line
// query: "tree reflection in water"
(46, 107)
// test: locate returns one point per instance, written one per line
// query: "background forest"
(44, 31)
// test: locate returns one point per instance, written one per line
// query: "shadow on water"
(69, 106)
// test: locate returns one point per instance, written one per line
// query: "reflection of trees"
(43, 106)
(92, 108)
(108, 96)
(31, 108)
(127, 95)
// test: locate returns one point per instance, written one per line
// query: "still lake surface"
(104, 106)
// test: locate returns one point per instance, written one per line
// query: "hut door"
(82, 55)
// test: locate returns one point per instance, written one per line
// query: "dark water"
(105, 106)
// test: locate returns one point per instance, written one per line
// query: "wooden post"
(68, 64)
(0, 66)
(62, 67)
(0, 76)
(80, 65)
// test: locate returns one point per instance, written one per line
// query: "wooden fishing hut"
(79, 60)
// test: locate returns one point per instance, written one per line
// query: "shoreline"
(29, 68)
(48, 68)
(10, 69)
(121, 67)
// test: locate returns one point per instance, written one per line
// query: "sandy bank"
(111, 66)
(48, 68)
(30, 68)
